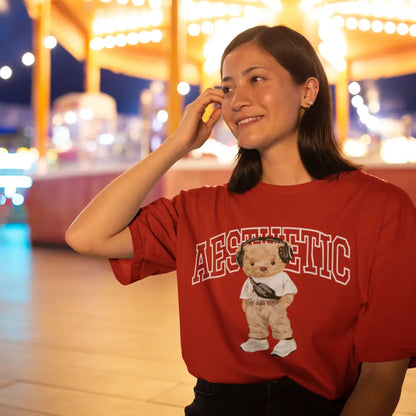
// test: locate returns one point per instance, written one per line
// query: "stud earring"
(310, 103)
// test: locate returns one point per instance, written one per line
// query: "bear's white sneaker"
(284, 347)
(253, 345)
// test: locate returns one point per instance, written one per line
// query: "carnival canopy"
(371, 38)
(182, 40)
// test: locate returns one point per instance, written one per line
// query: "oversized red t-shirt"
(353, 240)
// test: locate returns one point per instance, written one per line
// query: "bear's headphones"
(285, 251)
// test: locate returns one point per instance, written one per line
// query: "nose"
(263, 268)
(241, 98)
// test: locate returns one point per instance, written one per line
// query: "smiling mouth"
(247, 120)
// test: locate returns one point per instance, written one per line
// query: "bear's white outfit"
(262, 313)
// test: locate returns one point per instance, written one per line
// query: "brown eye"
(273, 262)
(252, 263)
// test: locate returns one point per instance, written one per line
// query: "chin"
(249, 144)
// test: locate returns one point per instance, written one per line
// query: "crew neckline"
(301, 187)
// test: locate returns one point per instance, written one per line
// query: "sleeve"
(386, 329)
(153, 233)
(289, 286)
(245, 290)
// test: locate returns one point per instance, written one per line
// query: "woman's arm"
(101, 229)
(378, 389)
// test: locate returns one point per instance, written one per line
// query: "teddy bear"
(267, 293)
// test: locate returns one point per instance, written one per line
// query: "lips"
(247, 120)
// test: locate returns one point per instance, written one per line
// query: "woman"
(348, 237)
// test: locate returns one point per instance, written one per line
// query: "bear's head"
(263, 257)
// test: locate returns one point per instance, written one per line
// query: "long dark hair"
(318, 147)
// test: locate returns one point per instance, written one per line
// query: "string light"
(50, 42)
(354, 88)
(377, 26)
(28, 59)
(6, 72)
(183, 88)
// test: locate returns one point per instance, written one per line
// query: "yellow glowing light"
(162, 116)
(207, 27)
(411, 149)
(274, 5)
(365, 138)
(97, 44)
(219, 9)
(389, 28)
(50, 42)
(28, 59)
(194, 29)
(309, 4)
(363, 111)
(121, 40)
(6, 72)
(402, 29)
(338, 21)
(52, 155)
(133, 38)
(234, 10)
(98, 26)
(351, 23)
(354, 88)
(224, 154)
(155, 4)
(156, 35)
(109, 41)
(205, 9)
(70, 117)
(377, 26)
(144, 36)
(86, 114)
(355, 148)
(364, 25)
(183, 88)
(22, 150)
(220, 25)
(394, 150)
(58, 120)
(34, 153)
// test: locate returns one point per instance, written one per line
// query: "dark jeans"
(282, 397)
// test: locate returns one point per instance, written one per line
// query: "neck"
(284, 167)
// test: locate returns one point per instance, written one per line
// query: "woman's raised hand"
(102, 227)
(193, 131)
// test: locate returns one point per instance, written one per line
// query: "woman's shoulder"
(206, 191)
(374, 188)
(361, 178)
(202, 196)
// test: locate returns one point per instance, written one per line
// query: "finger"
(214, 116)
(209, 124)
(210, 96)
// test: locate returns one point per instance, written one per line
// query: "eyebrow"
(245, 72)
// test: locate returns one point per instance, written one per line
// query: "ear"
(310, 92)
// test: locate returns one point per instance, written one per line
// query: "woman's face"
(262, 104)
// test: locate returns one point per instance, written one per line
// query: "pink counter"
(56, 199)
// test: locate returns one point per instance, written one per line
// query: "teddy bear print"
(266, 294)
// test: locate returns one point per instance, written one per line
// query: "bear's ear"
(239, 255)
